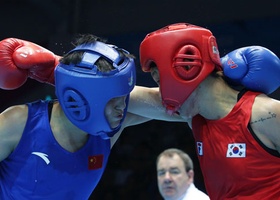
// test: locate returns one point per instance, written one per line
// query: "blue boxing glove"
(254, 67)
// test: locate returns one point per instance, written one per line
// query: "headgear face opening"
(185, 55)
(83, 91)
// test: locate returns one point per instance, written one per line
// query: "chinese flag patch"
(95, 162)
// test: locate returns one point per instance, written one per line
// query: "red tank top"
(234, 163)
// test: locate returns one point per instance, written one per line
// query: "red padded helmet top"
(185, 55)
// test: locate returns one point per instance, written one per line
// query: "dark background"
(131, 173)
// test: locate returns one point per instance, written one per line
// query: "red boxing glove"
(21, 59)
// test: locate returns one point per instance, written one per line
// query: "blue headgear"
(83, 91)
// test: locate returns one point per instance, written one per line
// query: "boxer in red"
(237, 133)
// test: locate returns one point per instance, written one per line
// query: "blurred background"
(53, 24)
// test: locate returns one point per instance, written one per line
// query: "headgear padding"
(185, 55)
(83, 91)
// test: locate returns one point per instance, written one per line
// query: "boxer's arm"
(146, 103)
(265, 121)
(12, 123)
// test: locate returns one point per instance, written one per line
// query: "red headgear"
(185, 55)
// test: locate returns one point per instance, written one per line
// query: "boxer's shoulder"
(12, 123)
(265, 120)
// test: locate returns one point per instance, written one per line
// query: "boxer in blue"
(59, 149)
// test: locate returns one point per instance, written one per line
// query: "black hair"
(76, 57)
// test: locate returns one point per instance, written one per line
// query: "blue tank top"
(39, 168)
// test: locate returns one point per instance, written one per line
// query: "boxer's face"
(188, 109)
(155, 74)
(114, 111)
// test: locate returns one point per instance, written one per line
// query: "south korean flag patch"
(236, 150)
